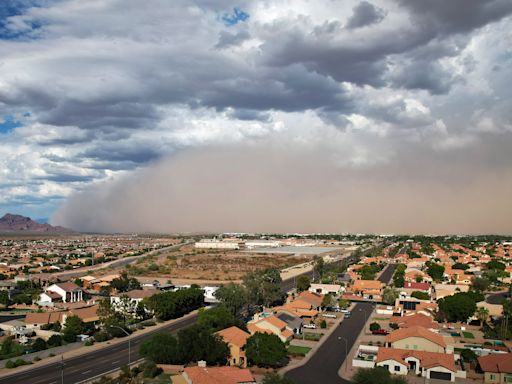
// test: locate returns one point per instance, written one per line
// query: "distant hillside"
(18, 223)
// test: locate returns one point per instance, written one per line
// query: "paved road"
(324, 364)
(497, 298)
(97, 362)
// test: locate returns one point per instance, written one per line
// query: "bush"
(39, 344)
(89, 342)
(37, 358)
(55, 341)
(393, 325)
(420, 295)
(374, 326)
(265, 350)
(10, 364)
(17, 363)
(323, 324)
(101, 336)
(150, 369)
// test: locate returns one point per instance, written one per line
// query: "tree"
(162, 348)
(327, 301)
(218, 318)
(170, 305)
(319, 266)
(233, 296)
(303, 283)
(4, 298)
(482, 314)
(263, 287)
(125, 283)
(420, 295)
(460, 266)
(39, 344)
(389, 295)
(374, 326)
(55, 341)
(495, 265)
(274, 378)
(197, 343)
(265, 350)
(73, 327)
(480, 284)
(435, 271)
(377, 375)
(343, 303)
(457, 308)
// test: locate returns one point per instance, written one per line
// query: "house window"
(508, 378)
(397, 368)
(386, 366)
(493, 376)
(415, 347)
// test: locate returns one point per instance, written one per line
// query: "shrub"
(101, 336)
(55, 341)
(374, 326)
(10, 364)
(39, 344)
(393, 325)
(323, 324)
(37, 358)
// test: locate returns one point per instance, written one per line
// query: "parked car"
(309, 326)
(380, 332)
(344, 311)
(347, 315)
(329, 315)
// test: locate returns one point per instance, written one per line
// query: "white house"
(216, 244)
(325, 289)
(66, 292)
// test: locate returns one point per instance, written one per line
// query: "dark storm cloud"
(365, 14)
(228, 39)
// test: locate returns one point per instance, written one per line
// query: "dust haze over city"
(354, 116)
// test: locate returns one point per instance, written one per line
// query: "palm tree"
(482, 314)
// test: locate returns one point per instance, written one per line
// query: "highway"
(324, 364)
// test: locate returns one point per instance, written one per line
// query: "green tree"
(170, 305)
(319, 266)
(420, 295)
(303, 283)
(233, 296)
(125, 283)
(389, 295)
(218, 318)
(55, 340)
(435, 271)
(377, 375)
(328, 300)
(343, 303)
(495, 265)
(162, 348)
(374, 326)
(197, 343)
(274, 378)
(480, 284)
(457, 308)
(482, 314)
(460, 266)
(39, 344)
(265, 350)
(263, 287)
(73, 327)
(4, 298)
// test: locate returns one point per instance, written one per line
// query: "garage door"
(440, 375)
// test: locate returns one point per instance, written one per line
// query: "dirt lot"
(189, 263)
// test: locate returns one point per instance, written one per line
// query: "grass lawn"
(296, 350)
(468, 335)
(380, 318)
(312, 336)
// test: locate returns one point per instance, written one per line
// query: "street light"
(346, 352)
(129, 342)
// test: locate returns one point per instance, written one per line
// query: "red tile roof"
(427, 359)
(234, 335)
(498, 363)
(415, 331)
(218, 375)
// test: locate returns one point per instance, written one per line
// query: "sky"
(291, 115)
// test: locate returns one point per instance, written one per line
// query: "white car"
(310, 326)
(329, 315)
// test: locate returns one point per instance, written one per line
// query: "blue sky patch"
(230, 19)
(8, 123)
(11, 8)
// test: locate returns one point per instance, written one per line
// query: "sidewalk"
(83, 350)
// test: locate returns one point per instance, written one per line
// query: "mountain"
(18, 223)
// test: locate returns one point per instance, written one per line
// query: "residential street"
(324, 364)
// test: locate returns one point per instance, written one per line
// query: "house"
(431, 365)
(236, 339)
(413, 275)
(325, 289)
(369, 289)
(411, 305)
(314, 299)
(410, 287)
(128, 301)
(417, 338)
(271, 325)
(497, 368)
(216, 375)
(417, 320)
(293, 323)
(67, 292)
(34, 320)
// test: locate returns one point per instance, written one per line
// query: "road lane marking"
(115, 362)
(86, 372)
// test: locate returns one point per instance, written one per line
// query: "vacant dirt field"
(189, 263)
